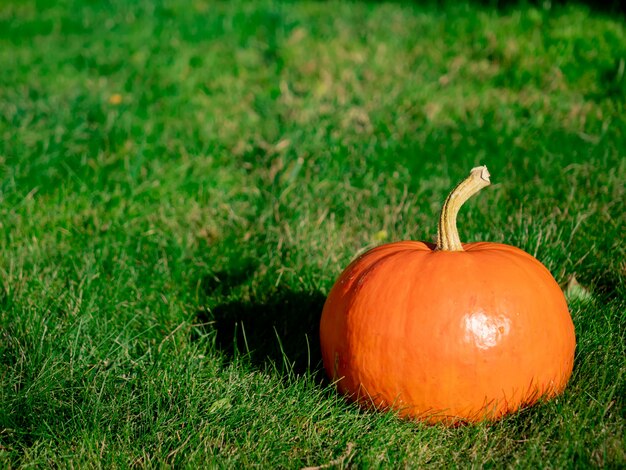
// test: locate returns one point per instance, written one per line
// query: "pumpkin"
(448, 332)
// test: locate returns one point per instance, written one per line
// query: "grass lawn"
(181, 182)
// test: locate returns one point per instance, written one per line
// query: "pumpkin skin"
(447, 336)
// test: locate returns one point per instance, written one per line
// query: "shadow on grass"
(280, 330)
(222, 282)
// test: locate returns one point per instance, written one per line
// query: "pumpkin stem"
(447, 233)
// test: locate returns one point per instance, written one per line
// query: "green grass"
(164, 259)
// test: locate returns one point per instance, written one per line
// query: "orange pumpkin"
(448, 332)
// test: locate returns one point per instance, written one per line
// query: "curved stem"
(447, 233)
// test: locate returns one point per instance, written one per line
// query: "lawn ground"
(181, 182)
